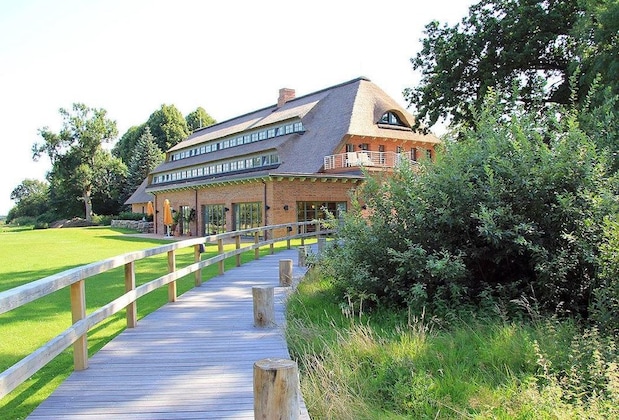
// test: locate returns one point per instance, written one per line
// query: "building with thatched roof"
(284, 163)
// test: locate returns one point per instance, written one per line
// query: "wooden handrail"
(75, 278)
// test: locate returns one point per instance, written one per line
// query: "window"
(364, 146)
(214, 219)
(429, 153)
(350, 148)
(391, 118)
(317, 210)
(271, 133)
(247, 215)
(414, 154)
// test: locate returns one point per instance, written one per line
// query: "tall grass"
(28, 255)
(389, 365)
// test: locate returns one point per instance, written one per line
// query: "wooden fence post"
(171, 269)
(276, 389)
(257, 241)
(78, 312)
(220, 249)
(238, 246)
(197, 256)
(264, 307)
(285, 273)
(132, 308)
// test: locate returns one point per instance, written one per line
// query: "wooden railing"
(366, 159)
(75, 279)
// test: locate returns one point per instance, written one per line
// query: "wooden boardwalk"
(191, 359)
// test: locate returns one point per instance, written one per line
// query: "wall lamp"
(286, 207)
(267, 207)
(226, 209)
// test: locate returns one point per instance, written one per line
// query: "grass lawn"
(28, 255)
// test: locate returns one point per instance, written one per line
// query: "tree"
(76, 153)
(123, 148)
(146, 156)
(31, 198)
(539, 44)
(199, 119)
(168, 126)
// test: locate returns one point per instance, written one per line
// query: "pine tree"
(146, 157)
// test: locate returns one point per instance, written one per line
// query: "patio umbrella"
(149, 209)
(167, 214)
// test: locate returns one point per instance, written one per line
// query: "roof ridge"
(275, 105)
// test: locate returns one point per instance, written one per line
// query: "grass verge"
(393, 365)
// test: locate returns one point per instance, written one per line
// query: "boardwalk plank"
(191, 359)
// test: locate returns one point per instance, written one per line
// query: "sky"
(229, 57)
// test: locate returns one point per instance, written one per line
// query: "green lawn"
(28, 255)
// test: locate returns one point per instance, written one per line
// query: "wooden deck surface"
(191, 359)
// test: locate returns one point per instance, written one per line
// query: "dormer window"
(391, 118)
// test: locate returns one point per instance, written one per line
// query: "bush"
(105, 220)
(513, 211)
(24, 221)
(133, 216)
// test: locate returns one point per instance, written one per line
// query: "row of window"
(219, 168)
(240, 140)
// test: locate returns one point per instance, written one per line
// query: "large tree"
(537, 44)
(76, 153)
(199, 119)
(168, 126)
(123, 148)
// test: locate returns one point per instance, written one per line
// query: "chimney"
(285, 95)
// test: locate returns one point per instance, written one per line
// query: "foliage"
(168, 126)
(145, 157)
(30, 198)
(540, 44)
(124, 147)
(512, 213)
(605, 306)
(401, 365)
(198, 119)
(76, 153)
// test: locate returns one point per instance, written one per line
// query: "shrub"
(512, 211)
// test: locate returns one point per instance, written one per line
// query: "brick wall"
(278, 194)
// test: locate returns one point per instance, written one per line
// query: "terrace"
(369, 160)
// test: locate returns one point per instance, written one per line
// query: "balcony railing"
(365, 159)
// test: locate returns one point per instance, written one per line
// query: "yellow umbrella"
(149, 209)
(167, 213)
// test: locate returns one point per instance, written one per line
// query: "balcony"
(365, 159)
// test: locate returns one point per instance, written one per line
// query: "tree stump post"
(302, 256)
(263, 306)
(322, 243)
(285, 273)
(276, 389)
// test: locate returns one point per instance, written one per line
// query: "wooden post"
(302, 256)
(197, 256)
(238, 246)
(256, 241)
(263, 306)
(276, 389)
(220, 249)
(322, 242)
(303, 231)
(132, 311)
(288, 230)
(78, 312)
(285, 273)
(272, 245)
(171, 269)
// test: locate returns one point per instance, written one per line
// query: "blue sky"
(230, 57)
